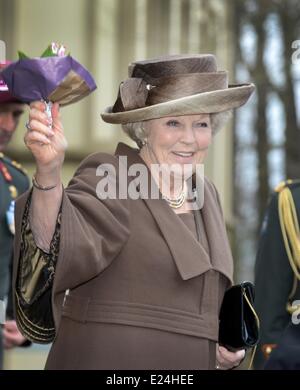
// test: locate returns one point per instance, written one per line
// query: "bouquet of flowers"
(53, 77)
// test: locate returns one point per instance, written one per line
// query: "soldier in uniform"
(277, 280)
(13, 182)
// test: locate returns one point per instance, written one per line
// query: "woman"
(135, 281)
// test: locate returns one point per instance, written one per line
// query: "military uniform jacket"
(13, 182)
(275, 281)
(142, 292)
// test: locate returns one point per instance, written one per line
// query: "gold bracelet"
(39, 187)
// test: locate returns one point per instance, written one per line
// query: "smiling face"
(177, 140)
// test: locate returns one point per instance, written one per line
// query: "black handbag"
(239, 323)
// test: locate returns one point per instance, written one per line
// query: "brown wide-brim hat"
(173, 86)
(5, 96)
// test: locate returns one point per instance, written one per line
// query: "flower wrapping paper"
(52, 79)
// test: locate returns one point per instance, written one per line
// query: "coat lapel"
(191, 258)
(220, 252)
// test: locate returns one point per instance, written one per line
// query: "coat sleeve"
(273, 281)
(93, 230)
(89, 234)
(22, 184)
(34, 284)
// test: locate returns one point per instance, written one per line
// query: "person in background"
(13, 182)
(277, 276)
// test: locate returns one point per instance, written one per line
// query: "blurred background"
(255, 40)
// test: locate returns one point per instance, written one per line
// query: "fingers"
(227, 359)
(231, 356)
(240, 354)
(40, 106)
(32, 137)
(38, 120)
(55, 111)
(35, 125)
(7, 342)
(11, 335)
(12, 339)
(10, 325)
(56, 117)
(38, 116)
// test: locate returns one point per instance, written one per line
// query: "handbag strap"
(258, 326)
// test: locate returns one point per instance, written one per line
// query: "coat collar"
(191, 259)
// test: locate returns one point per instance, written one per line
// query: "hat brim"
(6, 97)
(203, 103)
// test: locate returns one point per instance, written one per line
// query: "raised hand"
(47, 144)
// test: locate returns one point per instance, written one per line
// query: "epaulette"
(289, 225)
(286, 183)
(13, 163)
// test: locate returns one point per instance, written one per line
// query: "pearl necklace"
(178, 202)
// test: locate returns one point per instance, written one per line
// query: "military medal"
(7, 176)
(2, 312)
(10, 213)
(13, 191)
(10, 217)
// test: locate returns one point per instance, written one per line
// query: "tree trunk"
(292, 131)
(261, 78)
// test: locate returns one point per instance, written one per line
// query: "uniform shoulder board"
(289, 224)
(13, 163)
(19, 167)
(286, 183)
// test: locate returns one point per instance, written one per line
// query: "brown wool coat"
(143, 292)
